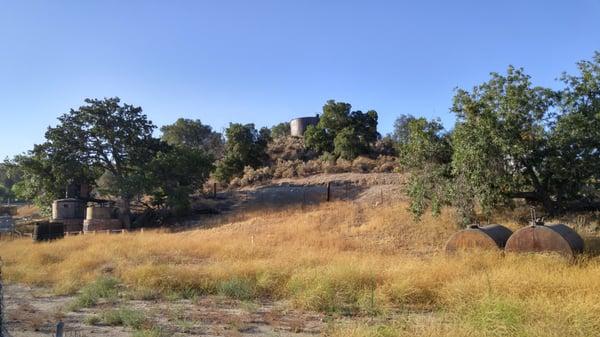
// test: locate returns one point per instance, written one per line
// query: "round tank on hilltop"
(538, 237)
(476, 237)
(298, 125)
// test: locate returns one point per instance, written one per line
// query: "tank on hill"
(298, 125)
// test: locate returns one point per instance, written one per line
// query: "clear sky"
(269, 61)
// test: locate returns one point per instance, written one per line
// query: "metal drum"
(479, 237)
(538, 237)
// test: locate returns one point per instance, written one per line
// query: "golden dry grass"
(341, 258)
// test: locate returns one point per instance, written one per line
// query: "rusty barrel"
(538, 237)
(479, 237)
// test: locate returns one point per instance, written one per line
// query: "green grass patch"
(102, 288)
(134, 319)
(237, 288)
(495, 316)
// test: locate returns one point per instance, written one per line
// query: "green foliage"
(11, 173)
(317, 139)
(237, 288)
(245, 147)
(280, 130)
(126, 317)
(344, 132)
(193, 134)
(102, 288)
(500, 139)
(426, 152)
(493, 316)
(103, 135)
(511, 140)
(174, 174)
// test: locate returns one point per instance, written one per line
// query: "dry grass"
(340, 258)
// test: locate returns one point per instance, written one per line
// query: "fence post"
(59, 329)
(328, 191)
(214, 190)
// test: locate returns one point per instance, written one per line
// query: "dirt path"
(32, 312)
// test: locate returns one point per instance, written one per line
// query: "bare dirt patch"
(33, 312)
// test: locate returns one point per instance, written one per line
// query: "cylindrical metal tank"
(299, 125)
(67, 209)
(479, 237)
(538, 237)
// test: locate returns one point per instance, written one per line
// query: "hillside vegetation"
(343, 258)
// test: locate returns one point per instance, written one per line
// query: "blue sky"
(269, 61)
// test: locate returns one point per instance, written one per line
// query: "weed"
(134, 319)
(103, 288)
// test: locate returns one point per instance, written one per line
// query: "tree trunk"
(541, 193)
(126, 212)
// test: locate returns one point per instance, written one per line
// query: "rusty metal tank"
(538, 237)
(479, 237)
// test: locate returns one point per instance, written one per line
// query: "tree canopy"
(193, 134)
(343, 132)
(245, 146)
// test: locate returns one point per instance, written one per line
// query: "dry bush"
(286, 168)
(363, 165)
(256, 176)
(386, 164)
(310, 167)
(289, 149)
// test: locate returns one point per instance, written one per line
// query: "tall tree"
(501, 140)
(345, 132)
(193, 134)
(105, 135)
(245, 146)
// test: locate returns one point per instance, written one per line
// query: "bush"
(134, 319)
(289, 148)
(254, 176)
(102, 288)
(286, 168)
(363, 165)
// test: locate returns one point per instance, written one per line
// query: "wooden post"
(329, 191)
(214, 190)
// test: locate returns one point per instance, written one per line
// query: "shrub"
(363, 165)
(102, 288)
(134, 319)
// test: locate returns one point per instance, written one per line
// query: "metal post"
(59, 329)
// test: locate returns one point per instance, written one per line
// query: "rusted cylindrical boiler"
(479, 237)
(538, 237)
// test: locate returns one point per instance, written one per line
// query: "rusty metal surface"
(486, 237)
(552, 238)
